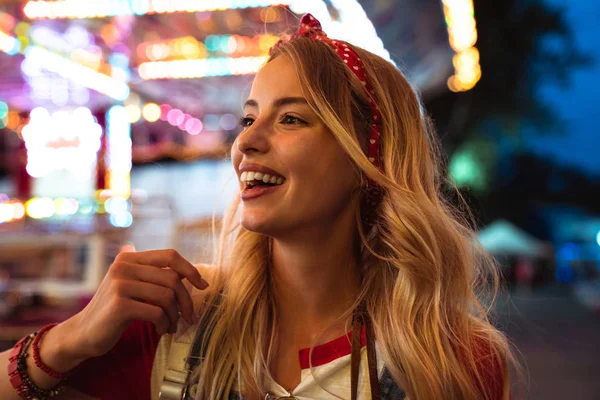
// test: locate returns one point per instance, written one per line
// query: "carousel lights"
(78, 73)
(189, 47)
(119, 146)
(200, 68)
(462, 34)
(38, 9)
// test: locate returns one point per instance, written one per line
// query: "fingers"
(146, 312)
(161, 296)
(168, 278)
(167, 258)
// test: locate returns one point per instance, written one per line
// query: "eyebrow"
(283, 101)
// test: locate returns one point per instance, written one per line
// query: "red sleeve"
(492, 369)
(124, 372)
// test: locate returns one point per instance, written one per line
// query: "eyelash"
(244, 121)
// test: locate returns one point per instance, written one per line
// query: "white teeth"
(250, 176)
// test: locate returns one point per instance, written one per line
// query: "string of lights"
(462, 32)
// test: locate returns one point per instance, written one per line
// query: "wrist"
(58, 349)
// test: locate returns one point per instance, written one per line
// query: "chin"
(256, 223)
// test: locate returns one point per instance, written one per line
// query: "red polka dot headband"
(311, 28)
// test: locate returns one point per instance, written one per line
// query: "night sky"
(577, 104)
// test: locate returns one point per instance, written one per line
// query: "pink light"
(186, 118)
(193, 126)
(175, 117)
(164, 111)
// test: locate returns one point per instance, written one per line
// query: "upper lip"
(258, 168)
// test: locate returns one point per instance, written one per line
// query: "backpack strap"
(175, 372)
(183, 355)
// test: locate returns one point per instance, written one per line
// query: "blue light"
(122, 220)
(119, 60)
(3, 109)
(564, 272)
(598, 238)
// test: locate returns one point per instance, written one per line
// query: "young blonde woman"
(342, 272)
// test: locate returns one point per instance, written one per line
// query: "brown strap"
(372, 358)
(355, 357)
(358, 319)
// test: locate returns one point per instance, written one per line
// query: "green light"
(466, 171)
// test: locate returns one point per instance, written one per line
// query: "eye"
(245, 122)
(291, 120)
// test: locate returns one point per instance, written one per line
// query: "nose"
(253, 139)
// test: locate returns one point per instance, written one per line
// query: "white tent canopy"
(503, 238)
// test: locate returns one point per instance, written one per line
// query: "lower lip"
(257, 191)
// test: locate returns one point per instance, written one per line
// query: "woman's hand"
(138, 286)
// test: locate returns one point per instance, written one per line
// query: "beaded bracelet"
(36, 355)
(17, 373)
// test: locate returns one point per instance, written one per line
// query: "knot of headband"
(311, 28)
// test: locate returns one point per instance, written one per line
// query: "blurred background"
(116, 118)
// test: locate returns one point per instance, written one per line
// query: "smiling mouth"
(254, 179)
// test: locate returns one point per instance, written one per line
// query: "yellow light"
(462, 35)
(468, 59)
(38, 208)
(190, 47)
(22, 29)
(151, 112)
(453, 84)
(266, 42)
(134, 113)
(120, 184)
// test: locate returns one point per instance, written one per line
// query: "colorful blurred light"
(193, 126)
(462, 33)
(78, 73)
(9, 44)
(37, 9)
(3, 109)
(228, 122)
(11, 211)
(199, 68)
(119, 145)
(134, 113)
(38, 208)
(122, 220)
(64, 140)
(151, 112)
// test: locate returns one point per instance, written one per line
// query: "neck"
(315, 279)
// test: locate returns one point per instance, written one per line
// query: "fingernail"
(204, 283)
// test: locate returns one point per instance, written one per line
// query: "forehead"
(278, 78)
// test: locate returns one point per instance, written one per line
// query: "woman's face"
(282, 135)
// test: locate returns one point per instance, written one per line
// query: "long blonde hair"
(423, 272)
